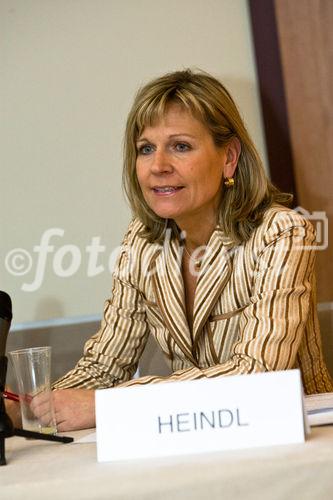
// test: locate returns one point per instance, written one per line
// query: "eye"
(182, 147)
(146, 149)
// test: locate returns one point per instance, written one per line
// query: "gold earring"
(229, 182)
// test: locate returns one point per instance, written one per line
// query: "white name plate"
(199, 416)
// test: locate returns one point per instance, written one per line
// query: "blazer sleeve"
(111, 355)
(271, 327)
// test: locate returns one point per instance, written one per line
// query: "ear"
(232, 152)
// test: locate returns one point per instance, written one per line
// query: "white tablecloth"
(44, 470)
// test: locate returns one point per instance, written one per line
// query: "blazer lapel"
(169, 291)
(214, 274)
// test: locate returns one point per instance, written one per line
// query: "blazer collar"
(214, 274)
(169, 288)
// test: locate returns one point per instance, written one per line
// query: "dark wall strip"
(272, 94)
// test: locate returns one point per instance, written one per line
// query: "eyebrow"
(141, 139)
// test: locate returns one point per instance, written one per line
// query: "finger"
(41, 408)
(62, 427)
(66, 426)
(40, 399)
(46, 417)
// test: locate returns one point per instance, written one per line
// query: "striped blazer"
(254, 309)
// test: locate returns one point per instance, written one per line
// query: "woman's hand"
(74, 408)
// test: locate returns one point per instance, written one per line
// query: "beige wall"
(69, 71)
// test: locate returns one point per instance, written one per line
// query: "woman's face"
(180, 169)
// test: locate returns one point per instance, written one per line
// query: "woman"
(214, 265)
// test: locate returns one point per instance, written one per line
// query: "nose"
(161, 162)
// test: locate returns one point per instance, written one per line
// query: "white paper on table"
(89, 438)
(319, 408)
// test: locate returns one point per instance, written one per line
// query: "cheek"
(210, 187)
(212, 178)
(216, 175)
(142, 181)
(139, 174)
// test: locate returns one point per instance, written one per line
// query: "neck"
(197, 235)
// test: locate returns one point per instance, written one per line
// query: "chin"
(165, 213)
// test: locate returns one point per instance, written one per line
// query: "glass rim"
(31, 350)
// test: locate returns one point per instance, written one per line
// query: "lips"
(166, 189)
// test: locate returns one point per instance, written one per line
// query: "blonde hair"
(242, 207)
